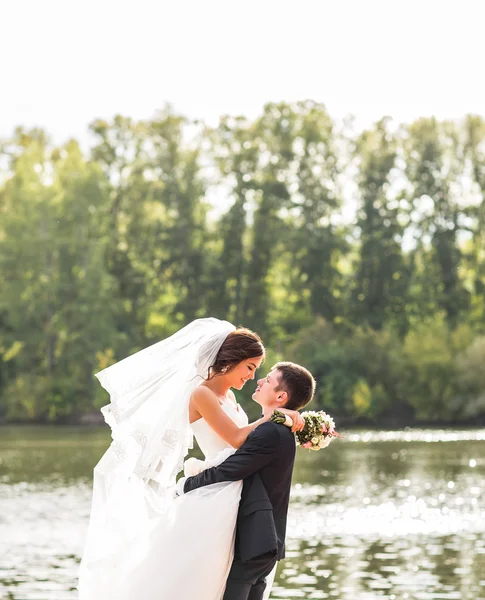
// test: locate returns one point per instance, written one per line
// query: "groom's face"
(266, 394)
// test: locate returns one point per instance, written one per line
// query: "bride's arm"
(207, 405)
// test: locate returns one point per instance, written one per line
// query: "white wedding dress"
(185, 554)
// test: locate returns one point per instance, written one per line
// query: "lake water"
(395, 515)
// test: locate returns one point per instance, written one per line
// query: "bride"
(143, 541)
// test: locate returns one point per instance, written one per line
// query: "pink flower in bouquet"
(307, 445)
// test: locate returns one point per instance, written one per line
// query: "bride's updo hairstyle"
(239, 345)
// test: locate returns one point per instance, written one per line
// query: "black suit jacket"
(265, 463)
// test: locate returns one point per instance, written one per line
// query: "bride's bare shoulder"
(203, 393)
(201, 401)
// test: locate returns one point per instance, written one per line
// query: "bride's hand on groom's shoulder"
(295, 416)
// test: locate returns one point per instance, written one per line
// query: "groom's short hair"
(297, 382)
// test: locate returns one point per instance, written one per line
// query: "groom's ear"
(282, 397)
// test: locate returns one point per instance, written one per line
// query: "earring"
(224, 370)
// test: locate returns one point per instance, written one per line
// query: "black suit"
(265, 463)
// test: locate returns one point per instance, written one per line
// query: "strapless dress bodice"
(209, 442)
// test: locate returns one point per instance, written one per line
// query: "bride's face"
(243, 371)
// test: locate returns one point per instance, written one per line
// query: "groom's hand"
(257, 451)
(179, 488)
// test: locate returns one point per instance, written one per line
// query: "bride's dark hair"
(239, 345)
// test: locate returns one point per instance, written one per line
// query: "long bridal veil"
(148, 414)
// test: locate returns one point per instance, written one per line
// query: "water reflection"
(414, 567)
(395, 515)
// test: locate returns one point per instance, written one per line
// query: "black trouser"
(247, 580)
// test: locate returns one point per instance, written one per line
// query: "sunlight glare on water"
(394, 515)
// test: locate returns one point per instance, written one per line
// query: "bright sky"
(66, 62)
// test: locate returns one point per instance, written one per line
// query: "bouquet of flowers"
(318, 432)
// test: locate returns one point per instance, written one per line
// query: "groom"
(265, 463)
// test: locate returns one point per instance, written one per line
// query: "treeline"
(360, 254)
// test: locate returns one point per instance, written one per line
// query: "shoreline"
(344, 423)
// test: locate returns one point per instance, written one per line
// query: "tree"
(235, 151)
(119, 150)
(433, 163)
(381, 277)
(57, 306)
(474, 147)
(180, 194)
(275, 138)
(317, 244)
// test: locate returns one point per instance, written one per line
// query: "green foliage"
(434, 157)
(362, 397)
(105, 252)
(382, 269)
(471, 379)
(431, 358)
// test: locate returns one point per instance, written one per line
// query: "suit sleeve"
(258, 450)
